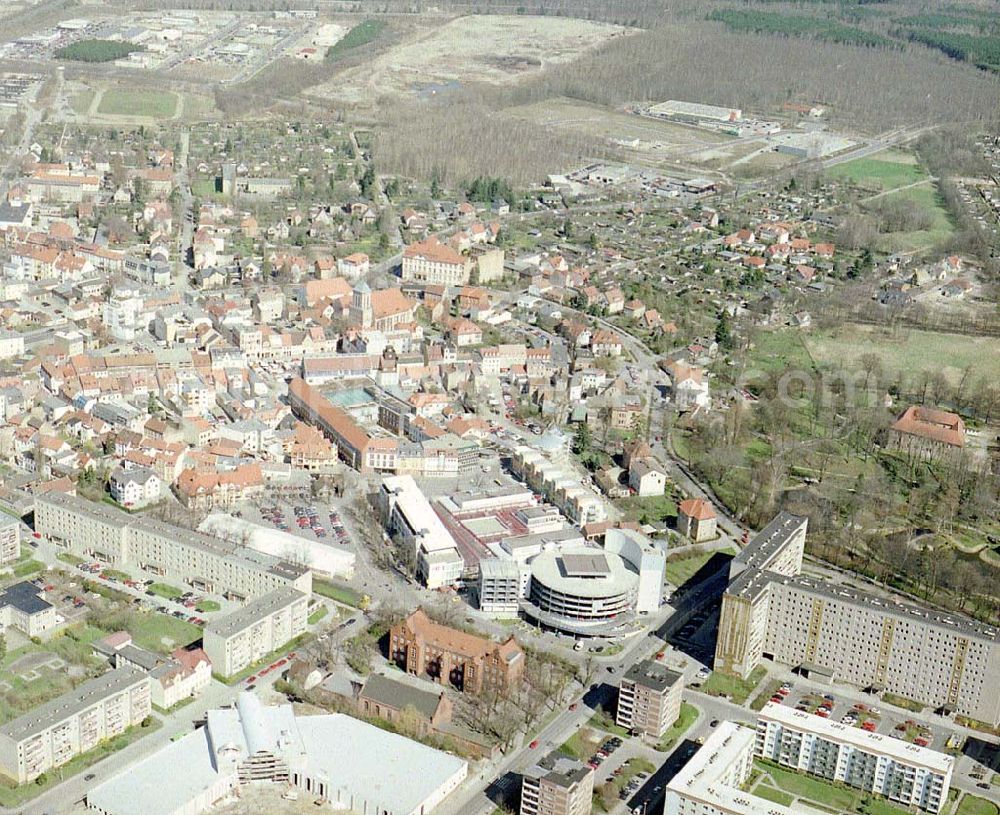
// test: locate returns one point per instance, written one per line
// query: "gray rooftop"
(396, 694)
(254, 611)
(653, 675)
(559, 769)
(116, 517)
(496, 568)
(585, 565)
(905, 611)
(72, 703)
(768, 543)
(25, 597)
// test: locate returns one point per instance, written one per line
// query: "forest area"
(868, 88)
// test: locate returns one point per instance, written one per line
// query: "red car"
(869, 726)
(251, 679)
(533, 744)
(921, 742)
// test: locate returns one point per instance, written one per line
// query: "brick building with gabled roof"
(447, 655)
(922, 432)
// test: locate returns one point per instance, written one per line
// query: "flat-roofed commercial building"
(905, 773)
(557, 785)
(407, 513)
(237, 640)
(649, 698)
(341, 761)
(940, 659)
(137, 543)
(581, 590)
(77, 721)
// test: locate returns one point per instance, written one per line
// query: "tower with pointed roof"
(361, 305)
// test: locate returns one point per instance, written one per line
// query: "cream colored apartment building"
(52, 734)
(137, 543)
(943, 660)
(649, 698)
(238, 640)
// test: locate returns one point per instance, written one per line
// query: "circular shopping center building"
(582, 590)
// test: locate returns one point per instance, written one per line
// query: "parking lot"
(863, 715)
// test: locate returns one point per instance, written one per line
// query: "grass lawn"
(163, 590)
(207, 605)
(602, 720)
(581, 745)
(765, 695)
(12, 796)
(648, 510)
(739, 690)
(28, 567)
(81, 102)
(970, 805)
(771, 794)
(884, 171)
(203, 187)
(318, 615)
(684, 721)
(903, 702)
(805, 786)
(909, 351)
(73, 560)
(679, 571)
(927, 198)
(161, 632)
(267, 659)
(342, 594)
(72, 647)
(154, 104)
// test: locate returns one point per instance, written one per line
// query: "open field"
(33, 674)
(924, 197)
(883, 171)
(145, 103)
(909, 350)
(481, 48)
(643, 139)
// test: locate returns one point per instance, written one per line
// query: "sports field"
(886, 171)
(151, 104)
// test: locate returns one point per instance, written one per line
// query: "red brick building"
(425, 648)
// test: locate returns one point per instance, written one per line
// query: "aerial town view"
(489, 408)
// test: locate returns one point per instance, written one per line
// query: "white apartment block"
(777, 548)
(140, 544)
(559, 485)
(901, 772)
(10, 539)
(939, 659)
(709, 784)
(74, 723)
(238, 640)
(11, 344)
